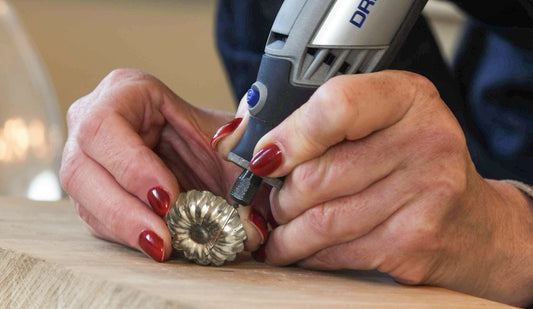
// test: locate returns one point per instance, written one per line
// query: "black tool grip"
(283, 98)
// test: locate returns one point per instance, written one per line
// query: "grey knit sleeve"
(527, 189)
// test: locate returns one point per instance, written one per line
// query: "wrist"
(517, 275)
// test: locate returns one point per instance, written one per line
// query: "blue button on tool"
(252, 97)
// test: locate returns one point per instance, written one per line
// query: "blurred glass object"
(31, 130)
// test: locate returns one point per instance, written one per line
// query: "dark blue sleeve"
(242, 30)
(505, 13)
(494, 68)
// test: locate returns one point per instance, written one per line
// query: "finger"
(337, 221)
(254, 219)
(119, 150)
(122, 214)
(345, 169)
(243, 107)
(119, 132)
(255, 226)
(345, 108)
(361, 254)
(92, 224)
(227, 137)
(411, 234)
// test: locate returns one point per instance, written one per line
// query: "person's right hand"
(132, 143)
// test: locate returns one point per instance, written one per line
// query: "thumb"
(342, 109)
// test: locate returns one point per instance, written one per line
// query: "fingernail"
(257, 220)
(152, 245)
(266, 161)
(260, 254)
(225, 130)
(159, 201)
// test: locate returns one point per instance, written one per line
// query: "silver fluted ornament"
(205, 228)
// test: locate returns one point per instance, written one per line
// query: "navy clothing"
(490, 89)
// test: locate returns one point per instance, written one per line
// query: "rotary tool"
(310, 42)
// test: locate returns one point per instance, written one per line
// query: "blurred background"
(77, 42)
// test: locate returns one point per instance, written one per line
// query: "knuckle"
(308, 144)
(126, 81)
(420, 237)
(440, 140)
(127, 84)
(451, 180)
(116, 84)
(338, 89)
(447, 134)
(89, 221)
(90, 128)
(323, 260)
(128, 172)
(84, 214)
(307, 177)
(73, 113)
(322, 220)
(122, 74)
(68, 173)
(345, 109)
(114, 221)
(113, 225)
(420, 84)
(450, 188)
(79, 109)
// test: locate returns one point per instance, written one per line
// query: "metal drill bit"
(205, 228)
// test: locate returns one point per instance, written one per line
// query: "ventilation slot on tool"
(312, 51)
(277, 40)
(329, 59)
(344, 68)
(364, 61)
(319, 65)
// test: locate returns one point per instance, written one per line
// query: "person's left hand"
(379, 177)
(133, 146)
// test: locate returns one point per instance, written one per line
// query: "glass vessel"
(31, 130)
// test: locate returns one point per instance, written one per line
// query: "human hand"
(379, 177)
(133, 143)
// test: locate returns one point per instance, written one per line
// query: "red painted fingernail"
(225, 130)
(152, 245)
(266, 161)
(159, 201)
(272, 221)
(260, 224)
(260, 254)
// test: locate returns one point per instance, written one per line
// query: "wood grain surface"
(48, 259)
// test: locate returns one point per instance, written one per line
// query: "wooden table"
(48, 259)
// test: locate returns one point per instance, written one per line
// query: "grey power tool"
(310, 42)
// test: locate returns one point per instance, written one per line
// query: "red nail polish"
(260, 224)
(152, 245)
(225, 130)
(159, 201)
(266, 161)
(260, 254)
